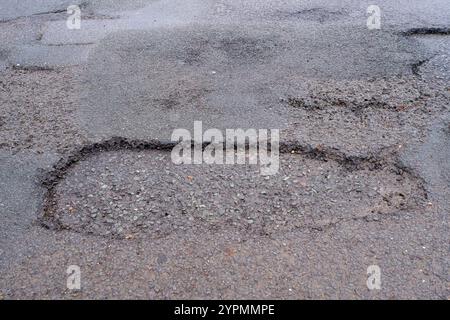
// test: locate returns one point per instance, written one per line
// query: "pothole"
(126, 194)
(359, 116)
(396, 94)
(345, 104)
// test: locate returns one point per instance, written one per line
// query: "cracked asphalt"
(86, 177)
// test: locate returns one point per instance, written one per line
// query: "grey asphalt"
(365, 178)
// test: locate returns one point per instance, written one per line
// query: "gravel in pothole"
(142, 193)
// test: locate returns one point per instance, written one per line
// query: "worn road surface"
(86, 176)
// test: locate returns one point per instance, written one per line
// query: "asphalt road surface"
(86, 176)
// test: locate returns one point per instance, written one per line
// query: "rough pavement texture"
(365, 113)
(43, 113)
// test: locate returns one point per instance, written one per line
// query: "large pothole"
(127, 193)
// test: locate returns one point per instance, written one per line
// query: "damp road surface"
(87, 177)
